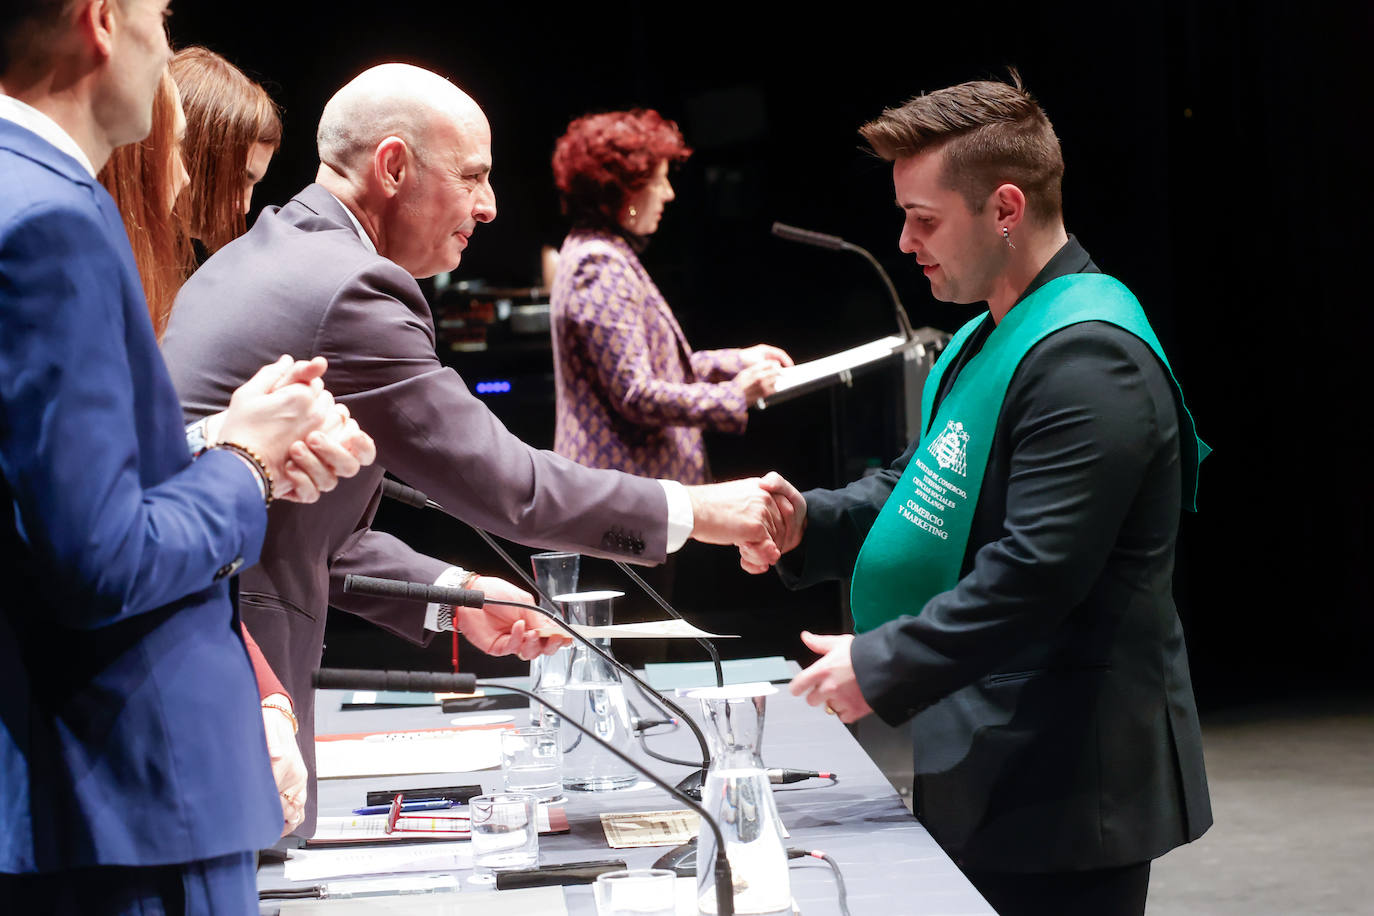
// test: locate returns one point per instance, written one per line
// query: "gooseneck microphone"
(668, 609)
(352, 679)
(465, 597)
(394, 489)
(692, 783)
(835, 243)
(407, 681)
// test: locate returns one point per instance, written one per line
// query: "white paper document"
(321, 864)
(862, 355)
(652, 629)
(406, 753)
(527, 901)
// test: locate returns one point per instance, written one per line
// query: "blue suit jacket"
(130, 732)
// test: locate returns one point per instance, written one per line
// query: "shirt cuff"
(452, 577)
(680, 519)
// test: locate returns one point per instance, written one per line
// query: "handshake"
(764, 517)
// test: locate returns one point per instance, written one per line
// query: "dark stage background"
(1216, 164)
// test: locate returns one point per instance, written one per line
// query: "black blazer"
(1054, 721)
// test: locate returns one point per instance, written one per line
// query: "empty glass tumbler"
(532, 761)
(505, 833)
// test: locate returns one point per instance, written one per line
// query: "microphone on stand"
(407, 681)
(835, 243)
(692, 783)
(346, 679)
(396, 490)
(464, 597)
(658, 599)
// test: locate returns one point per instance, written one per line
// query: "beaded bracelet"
(259, 468)
(295, 725)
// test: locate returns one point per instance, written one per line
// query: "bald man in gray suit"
(403, 182)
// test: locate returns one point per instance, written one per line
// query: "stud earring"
(633, 213)
(1006, 237)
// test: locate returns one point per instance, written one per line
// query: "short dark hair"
(992, 133)
(602, 159)
(27, 28)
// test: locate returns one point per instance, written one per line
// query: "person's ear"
(98, 23)
(391, 165)
(1008, 204)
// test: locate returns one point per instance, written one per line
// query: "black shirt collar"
(1071, 258)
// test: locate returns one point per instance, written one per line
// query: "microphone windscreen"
(808, 237)
(394, 489)
(406, 681)
(413, 591)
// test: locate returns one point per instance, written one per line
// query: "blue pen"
(428, 804)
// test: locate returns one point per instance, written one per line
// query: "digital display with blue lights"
(495, 387)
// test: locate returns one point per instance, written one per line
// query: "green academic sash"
(915, 549)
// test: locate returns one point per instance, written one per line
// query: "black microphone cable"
(415, 591)
(794, 853)
(394, 489)
(355, 679)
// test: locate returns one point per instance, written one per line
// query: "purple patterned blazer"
(631, 394)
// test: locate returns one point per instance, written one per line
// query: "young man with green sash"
(1012, 570)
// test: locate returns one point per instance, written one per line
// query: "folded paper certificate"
(370, 829)
(628, 829)
(653, 629)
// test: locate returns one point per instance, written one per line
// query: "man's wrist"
(441, 618)
(198, 437)
(681, 519)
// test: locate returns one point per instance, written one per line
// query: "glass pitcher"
(739, 796)
(594, 697)
(556, 573)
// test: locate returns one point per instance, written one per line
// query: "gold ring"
(830, 710)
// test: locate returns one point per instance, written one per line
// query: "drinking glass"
(556, 572)
(505, 833)
(532, 761)
(636, 892)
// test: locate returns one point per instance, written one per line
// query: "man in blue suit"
(133, 770)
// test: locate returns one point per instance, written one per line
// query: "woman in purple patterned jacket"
(632, 395)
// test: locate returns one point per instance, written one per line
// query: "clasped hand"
(286, 416)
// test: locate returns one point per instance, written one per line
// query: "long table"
(891, 865)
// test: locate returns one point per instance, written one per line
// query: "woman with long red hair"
(145, 178)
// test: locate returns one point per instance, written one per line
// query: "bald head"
(409, 154)
(392, 100)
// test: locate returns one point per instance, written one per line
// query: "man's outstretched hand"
(759, 556)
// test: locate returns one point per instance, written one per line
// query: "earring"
(1006, 237)
(633, 213)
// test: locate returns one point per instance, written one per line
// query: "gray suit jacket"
(302, 282)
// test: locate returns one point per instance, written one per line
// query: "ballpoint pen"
(422, 804)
